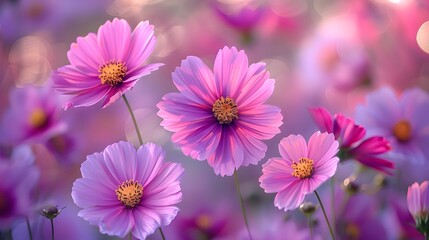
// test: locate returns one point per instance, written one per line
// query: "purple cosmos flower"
(33, 116)
(350, 136)
(418, 200)
(402, 120)
(19, 177)
(301, 169)
(124, 191)
(106, 64)
(221, 116)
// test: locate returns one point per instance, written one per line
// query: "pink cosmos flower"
(106, 64)
(352, 145)
(403, 120)
(301, 169)
(124, 191)
(418, 200)
(32, 117)
(221, 116)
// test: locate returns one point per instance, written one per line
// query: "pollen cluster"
(225, 110)
(112, 73)
(37, 118)
(402, 131)
(130, 193)
(303, 168)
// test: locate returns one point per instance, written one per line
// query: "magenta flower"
(403, 120)
(32, 117)
(124, 191)
(418, 200)
(352, 145)
(106, 64)
(301, 169)
(19, 177)
(221, 116)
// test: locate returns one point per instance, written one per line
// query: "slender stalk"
(324, 214)
(310, 225)
(30, 234)
(130, 236)
(162, 233)
(52, 228)
(426, 236)
(243, 209)
(333, 201)
(134, 119)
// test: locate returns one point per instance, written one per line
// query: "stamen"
(303, 168)
(112, 73)
(130, 193)
(225, 110)
(203, 221)
(38, 118)
(402, 131)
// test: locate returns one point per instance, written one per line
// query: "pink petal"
(424, 196)
(85, 55)
(196, 82)
(377, 163)
(291, 197)
(94, 215)
(117, 223)
(276, 175)
(350, 133)
(147, 221)
(68, 79)
(322, 149)
(114, 39)
(120, 159)
(256, 87)
(88, 97)
(141, 46)
(372, 145)
(88, 192)
(150, 162)
(322, 118)
(261, 122)
(254, 149)
(292, 148)
(413, 199)
(230, 68)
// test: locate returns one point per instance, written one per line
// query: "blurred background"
(328, 53)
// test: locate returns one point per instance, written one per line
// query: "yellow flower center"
(203, 221)
(37, 118)
(130, 193)
(402, 131)
(303, 168)
(225, 110)
(112, 73)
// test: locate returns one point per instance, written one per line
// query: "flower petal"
(292, 148)
(85, 55)
(276, 175)
(141, 46)
(291, 197)
(114, 38)
(322, 118)
(322, 149)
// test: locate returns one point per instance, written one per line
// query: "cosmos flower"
(19, 177)
(401, 119)
(221, 116)
(301, 169)
(352, 145)
(32, 117)
(106, 64)
(123, 190)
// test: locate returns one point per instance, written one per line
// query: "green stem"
(29, 228)
(134, 119)
(324, 214)
(130, 236)
(310, 226)
(162, 233)
(243, 209)
(52, 228)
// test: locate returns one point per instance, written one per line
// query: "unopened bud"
(350, 186)
(307, 208)
(51, 212)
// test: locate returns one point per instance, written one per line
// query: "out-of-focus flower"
(125, 191)
(301, 169)
(402, 120)
(106, 64)
(350, 136)
(333, 59)
(19, 176)
(32, 117)
(221, 116)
